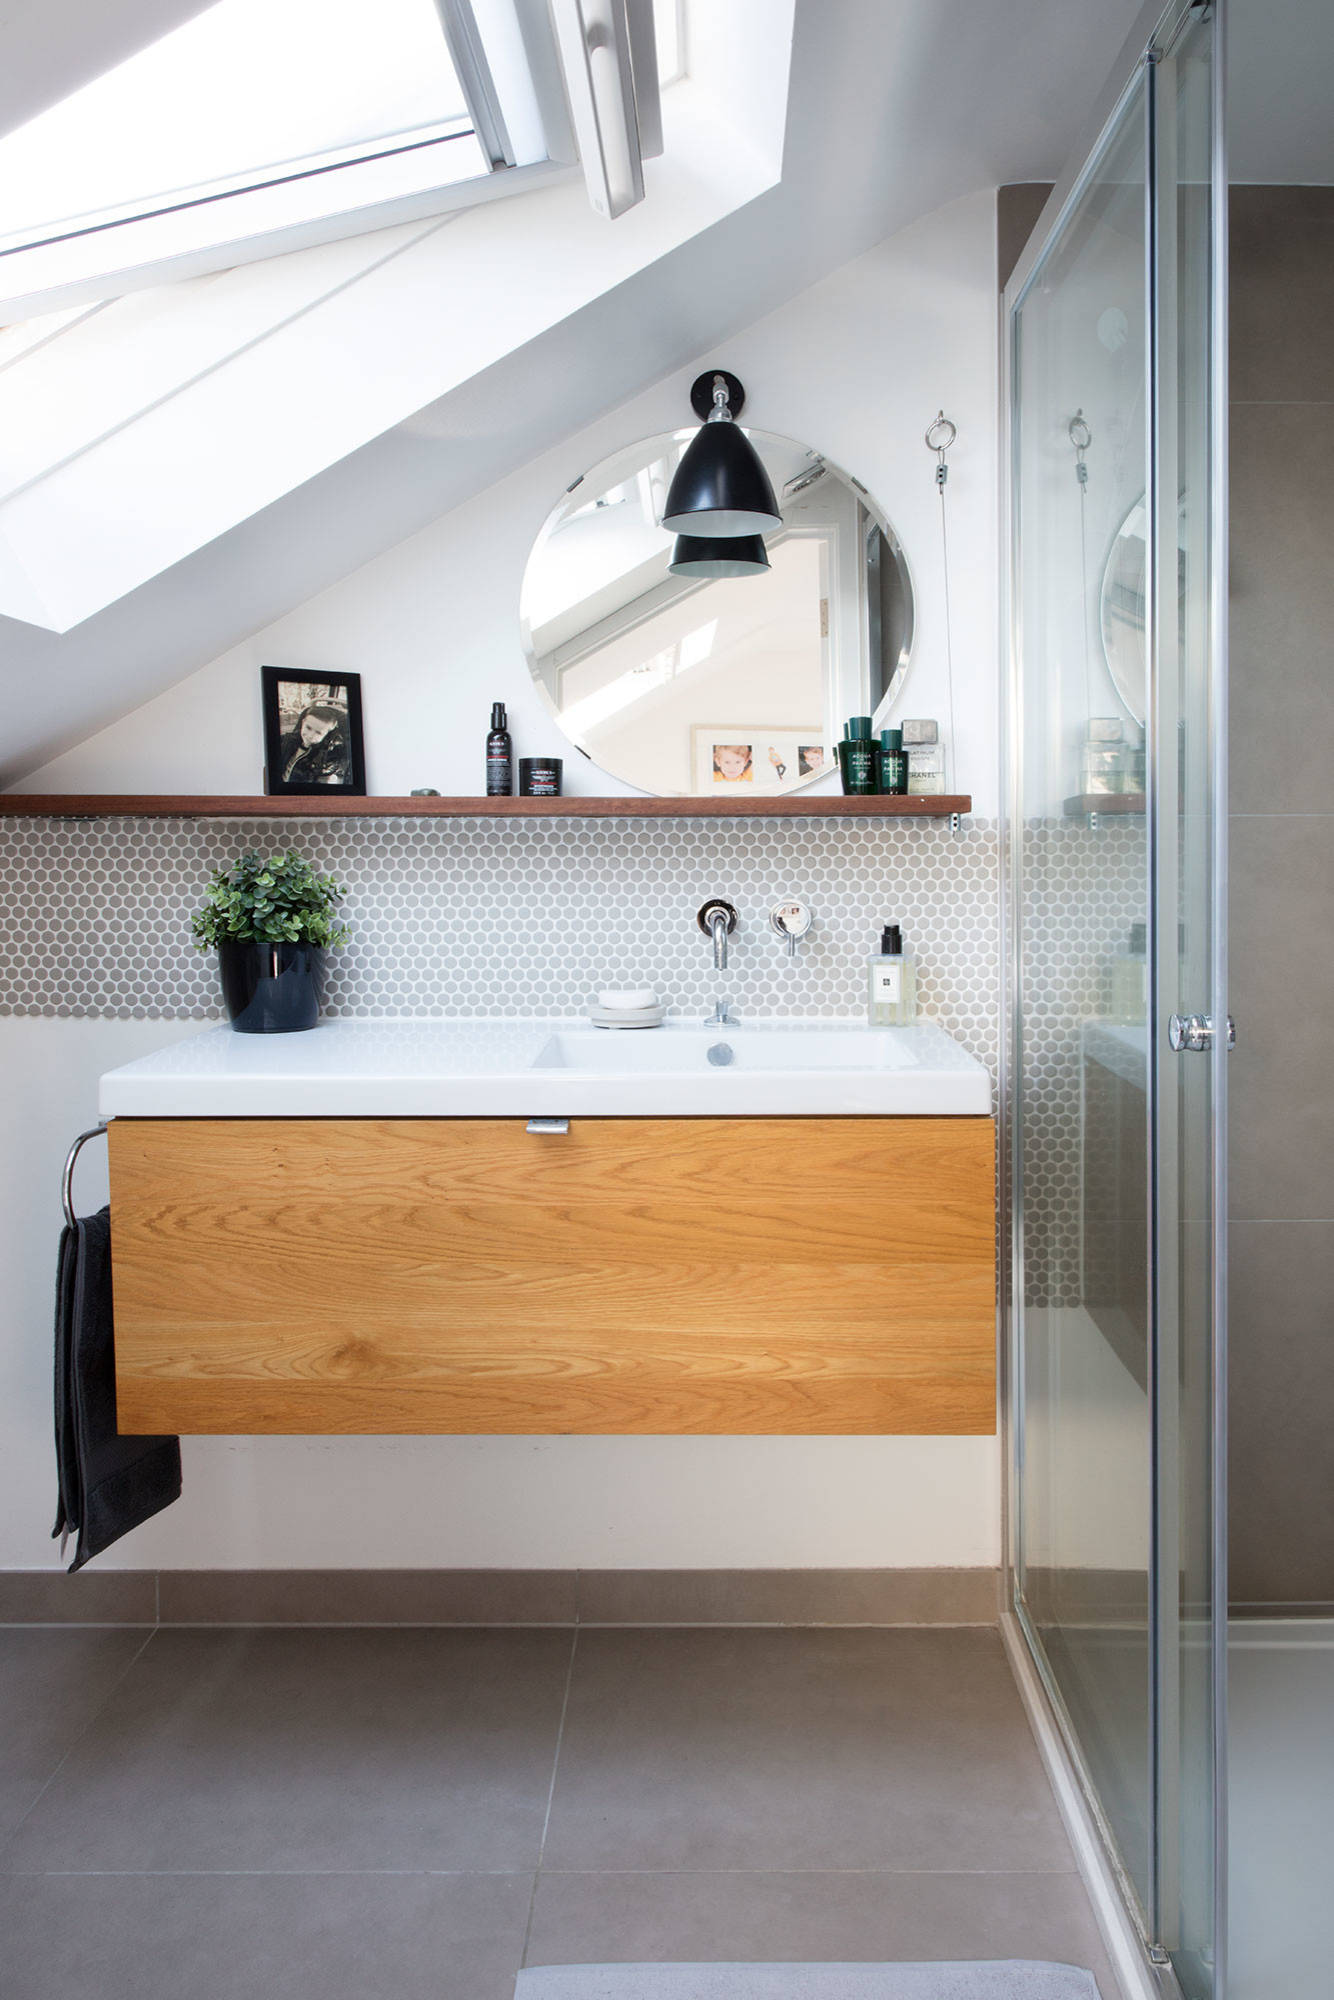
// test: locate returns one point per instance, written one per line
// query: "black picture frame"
(333, 764)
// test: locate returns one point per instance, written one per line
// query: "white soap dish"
(603, 1016)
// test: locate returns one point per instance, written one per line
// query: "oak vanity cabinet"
(727, 1275)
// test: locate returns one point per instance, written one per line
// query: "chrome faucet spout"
(716, 918)
(718, 926)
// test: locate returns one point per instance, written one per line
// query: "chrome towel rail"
(67, 1178)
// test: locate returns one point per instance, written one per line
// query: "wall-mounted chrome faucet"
(717, 920)
(790, 920)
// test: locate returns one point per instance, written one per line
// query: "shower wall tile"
(1281, 1117)
(1281, 906)
(1281, 1527)
(468, 917)
(1281, 625)
(1281, 300)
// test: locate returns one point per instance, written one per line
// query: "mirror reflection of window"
(703, 686)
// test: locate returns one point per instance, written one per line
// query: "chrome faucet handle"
(790, 920)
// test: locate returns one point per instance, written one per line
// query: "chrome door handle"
(549, 1127)
(1193, 1034)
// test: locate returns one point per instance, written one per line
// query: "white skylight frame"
(517, 136)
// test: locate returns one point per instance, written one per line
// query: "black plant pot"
(271, 989)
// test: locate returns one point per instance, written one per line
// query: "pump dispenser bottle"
(499, 755)
(892, 996)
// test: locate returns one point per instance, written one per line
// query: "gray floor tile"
(251, 1937)
(17, 1796)
(593, 1919)
(309, 1750)
(53, 1680)
(799, 1749)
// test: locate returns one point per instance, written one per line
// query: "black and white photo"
(312, 733)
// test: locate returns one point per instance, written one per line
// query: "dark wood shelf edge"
(117, 805)
(1113, 804)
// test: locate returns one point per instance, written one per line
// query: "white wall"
(858, 365)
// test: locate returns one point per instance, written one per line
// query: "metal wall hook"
(67, 1178)
(940, 435)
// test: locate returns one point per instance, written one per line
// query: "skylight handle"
(475, 80)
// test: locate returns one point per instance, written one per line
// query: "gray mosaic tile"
(471, 917)
(1083, 889)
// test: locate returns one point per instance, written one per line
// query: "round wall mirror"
(691, 686)
(1123, 605)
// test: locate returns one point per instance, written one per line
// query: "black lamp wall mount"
(703, 390)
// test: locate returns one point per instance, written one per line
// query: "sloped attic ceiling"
(894, 107)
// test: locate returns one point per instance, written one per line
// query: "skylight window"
(266, 125)
(248, 93)
(261, 126)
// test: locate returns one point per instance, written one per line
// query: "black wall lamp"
(720, 488)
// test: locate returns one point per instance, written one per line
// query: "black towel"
(108, 1483)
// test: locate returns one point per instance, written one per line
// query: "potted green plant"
(272, 922)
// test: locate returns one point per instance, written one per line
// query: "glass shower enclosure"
(1116, 823)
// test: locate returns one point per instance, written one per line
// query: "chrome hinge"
(1193, 1034)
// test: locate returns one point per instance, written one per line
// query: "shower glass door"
(1115, 823)
(1188, 824)
(1081, 916)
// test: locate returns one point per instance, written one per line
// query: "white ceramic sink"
(412, 1068)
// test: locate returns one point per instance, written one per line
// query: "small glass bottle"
(1130, 980)
(859, 758)
(893, 763)
(892, 997)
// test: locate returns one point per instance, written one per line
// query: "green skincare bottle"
(893, 762)
(892, 997)
(859, 758)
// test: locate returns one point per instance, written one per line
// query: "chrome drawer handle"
(551, 1127)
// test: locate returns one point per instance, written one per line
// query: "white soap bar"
(633, 996)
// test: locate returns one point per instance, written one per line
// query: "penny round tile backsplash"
(478, 916)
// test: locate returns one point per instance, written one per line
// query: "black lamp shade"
(720, 487)
(719, 555)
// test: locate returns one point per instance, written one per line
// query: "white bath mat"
(995, 1979)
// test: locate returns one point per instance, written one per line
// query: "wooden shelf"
(828, 805)
(1108, 804)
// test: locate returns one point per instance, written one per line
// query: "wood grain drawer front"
(658, 1275)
